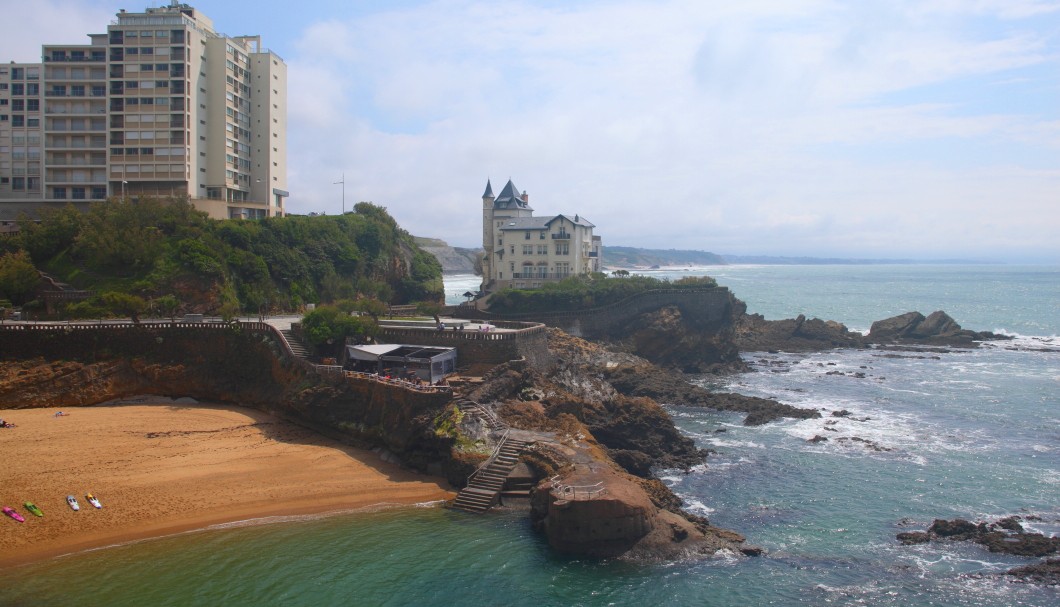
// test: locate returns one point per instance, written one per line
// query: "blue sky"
(900, 128)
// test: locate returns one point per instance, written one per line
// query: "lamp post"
(343, 182)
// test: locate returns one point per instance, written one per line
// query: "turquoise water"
(974, 434)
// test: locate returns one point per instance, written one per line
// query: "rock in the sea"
(1046, 573)
(954, 528)
(909, 538)
(1005, 536)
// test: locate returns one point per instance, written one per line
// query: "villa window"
(528, 234)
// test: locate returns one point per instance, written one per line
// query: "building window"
(562, 248)
(528, 249)
(59, 193)
(528, 234)
(78, 193)
(99, 193)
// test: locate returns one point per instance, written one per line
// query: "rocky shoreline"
(600, 405)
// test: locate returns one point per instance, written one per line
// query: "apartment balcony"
(94, 58)
(561, 236)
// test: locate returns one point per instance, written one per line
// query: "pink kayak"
(11, 512)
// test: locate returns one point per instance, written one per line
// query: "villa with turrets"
(525, 252)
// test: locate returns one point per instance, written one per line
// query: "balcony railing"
(541, 276)
(561, 236)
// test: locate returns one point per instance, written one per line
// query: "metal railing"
(492, 458)
(577, 492)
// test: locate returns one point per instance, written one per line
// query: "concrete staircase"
(484, 486)
(295, 344)
(482, 412)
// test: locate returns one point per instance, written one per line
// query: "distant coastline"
(459, 260)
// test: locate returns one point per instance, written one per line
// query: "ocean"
(972, 434)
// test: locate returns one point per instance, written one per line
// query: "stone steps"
(297, 347)
(485, 485)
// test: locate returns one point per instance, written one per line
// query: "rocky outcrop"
(673, 389)
(936, 329)
(1005, 536)
(1046, 573)
(756, 334)
(672, 337)
(590, 508)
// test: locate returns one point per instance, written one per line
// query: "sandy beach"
(166, 468)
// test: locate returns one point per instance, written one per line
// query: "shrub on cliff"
(153, 248)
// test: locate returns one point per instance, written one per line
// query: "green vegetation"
(18, 277)
(331, 324)
(177, 260)
(582, 292)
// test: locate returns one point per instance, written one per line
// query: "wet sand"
(160, 469)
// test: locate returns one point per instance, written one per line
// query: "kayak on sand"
(33, 509)
(73, 503)
(11, 512)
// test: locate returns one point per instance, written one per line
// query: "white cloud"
(26, 26)
(798, 127)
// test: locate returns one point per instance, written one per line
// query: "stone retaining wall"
(705, 306)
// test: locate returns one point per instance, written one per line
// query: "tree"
(18, 277)
(124, 304)
(620, 273)
(329, 324)
(372, 307)
(430, 308)
(168, 305)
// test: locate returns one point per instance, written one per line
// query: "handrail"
(588, 492)
(492, 458)
(383, 380)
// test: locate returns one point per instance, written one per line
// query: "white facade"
(523, 251)
(160, 105)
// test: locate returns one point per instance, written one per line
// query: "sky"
(923, 129)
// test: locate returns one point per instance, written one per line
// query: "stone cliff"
(598, 494)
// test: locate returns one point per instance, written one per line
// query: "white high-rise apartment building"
(160, 105)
